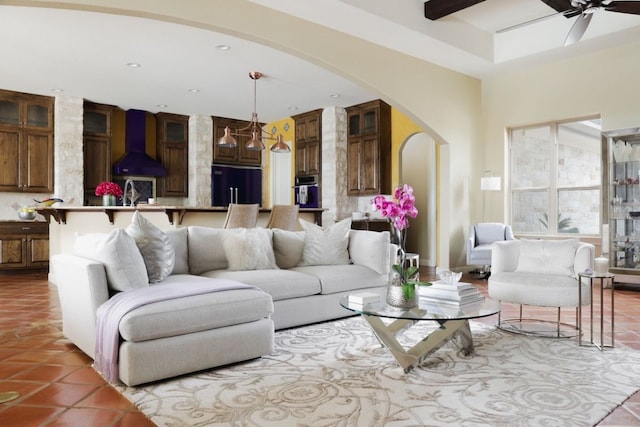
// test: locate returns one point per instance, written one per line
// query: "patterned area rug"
(336, 374)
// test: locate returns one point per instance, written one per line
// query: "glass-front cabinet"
(622, 199)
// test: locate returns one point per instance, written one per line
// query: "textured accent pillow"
(118, 252)
(155, 247)
(288, 247)
(326, 246)
(249, 249)
(547, 256)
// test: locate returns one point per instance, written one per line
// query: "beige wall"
(602, 83)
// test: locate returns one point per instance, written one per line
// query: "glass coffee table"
(453, 321)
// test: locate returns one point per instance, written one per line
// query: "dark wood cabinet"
(24, 245)
(26, 142)
(369, 148)
(96, 147)
(238, 155)
(173, 152)
(308, 153)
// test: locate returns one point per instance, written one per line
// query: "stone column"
(200, 156)
(68, 159)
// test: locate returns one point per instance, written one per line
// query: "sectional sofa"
(293, 278)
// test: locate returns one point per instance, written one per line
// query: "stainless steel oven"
(307, 192)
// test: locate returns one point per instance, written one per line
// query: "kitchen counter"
(175, 214)
(65, 222)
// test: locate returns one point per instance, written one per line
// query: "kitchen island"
(67, 221)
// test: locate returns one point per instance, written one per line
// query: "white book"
(430, 291)
(364, 298)
(466, 300)
(454, 287)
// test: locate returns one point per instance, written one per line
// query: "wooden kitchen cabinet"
(173, 152)
(369, 148)
(24, 245)
(26, 142)
(238, 155)
(96, 147)
(308, 143)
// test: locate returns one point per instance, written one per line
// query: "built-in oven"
(306, 191)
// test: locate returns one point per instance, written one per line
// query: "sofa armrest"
(82, 288)
(371, 249)
(504, 256)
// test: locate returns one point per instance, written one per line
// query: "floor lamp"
(488, 183)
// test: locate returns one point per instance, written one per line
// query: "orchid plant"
(398, 212)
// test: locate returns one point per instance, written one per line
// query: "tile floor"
(58, 387)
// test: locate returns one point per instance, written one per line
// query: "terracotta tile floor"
(58, 387)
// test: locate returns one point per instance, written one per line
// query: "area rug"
(337, 374)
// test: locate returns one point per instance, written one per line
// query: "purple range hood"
(135, 160)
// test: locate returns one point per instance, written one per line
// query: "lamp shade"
(490, 183)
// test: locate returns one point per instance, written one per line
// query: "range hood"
(135, 160)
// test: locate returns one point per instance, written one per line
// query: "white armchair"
(542, 273)
(481, 237)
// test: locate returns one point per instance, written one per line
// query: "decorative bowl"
(27, 214)
(450, 277)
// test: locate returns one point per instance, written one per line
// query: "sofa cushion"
(249, 249)
(340, 278)
(547, 256)
(537, 290)
(155, 247)
(118, 252)
(370, 249)
(205, 249)
(280, 284)
(288, 247)
(178, 238)
(326, 246)
(195, 313)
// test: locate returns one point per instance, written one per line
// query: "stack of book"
(459, 293)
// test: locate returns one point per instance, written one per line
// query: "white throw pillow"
(547, 256)
(326, 246)
(371, 249)
(249, 249)
(155, 247)
(288, 247)
(118, 252)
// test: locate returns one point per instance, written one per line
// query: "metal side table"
(604, 279)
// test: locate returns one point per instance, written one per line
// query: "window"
(555, 178)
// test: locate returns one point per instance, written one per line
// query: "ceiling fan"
(583, 9)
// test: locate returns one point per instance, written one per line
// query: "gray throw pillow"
(154, 245)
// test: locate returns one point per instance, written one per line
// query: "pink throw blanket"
(111, 312)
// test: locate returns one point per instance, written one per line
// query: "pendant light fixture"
(257, 133)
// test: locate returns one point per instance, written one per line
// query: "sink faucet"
(128, 183)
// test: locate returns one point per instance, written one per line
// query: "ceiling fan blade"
(435, 9)
(563, 6)
(632, 7)
(523, 24)
(578, 28)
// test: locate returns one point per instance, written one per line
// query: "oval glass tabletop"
(426, 310)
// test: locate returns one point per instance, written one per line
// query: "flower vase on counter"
(108, 200)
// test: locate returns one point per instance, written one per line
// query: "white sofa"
(169, 338)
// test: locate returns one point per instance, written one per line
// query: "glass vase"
(396, 296)
(108, 200)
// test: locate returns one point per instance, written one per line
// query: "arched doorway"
(419, 168)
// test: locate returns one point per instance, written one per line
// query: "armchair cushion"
(547, 256)
(489, 232)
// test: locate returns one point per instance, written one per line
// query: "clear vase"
(108, 200)
(397, 297)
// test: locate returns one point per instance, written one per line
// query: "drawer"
(28, 227)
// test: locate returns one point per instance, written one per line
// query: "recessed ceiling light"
(334, 95)
(55, 89)
(194, 90)
(161, 105)
(223, 47)
(293, 108)
(133, 65)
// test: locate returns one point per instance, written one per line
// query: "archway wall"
(444, 103)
